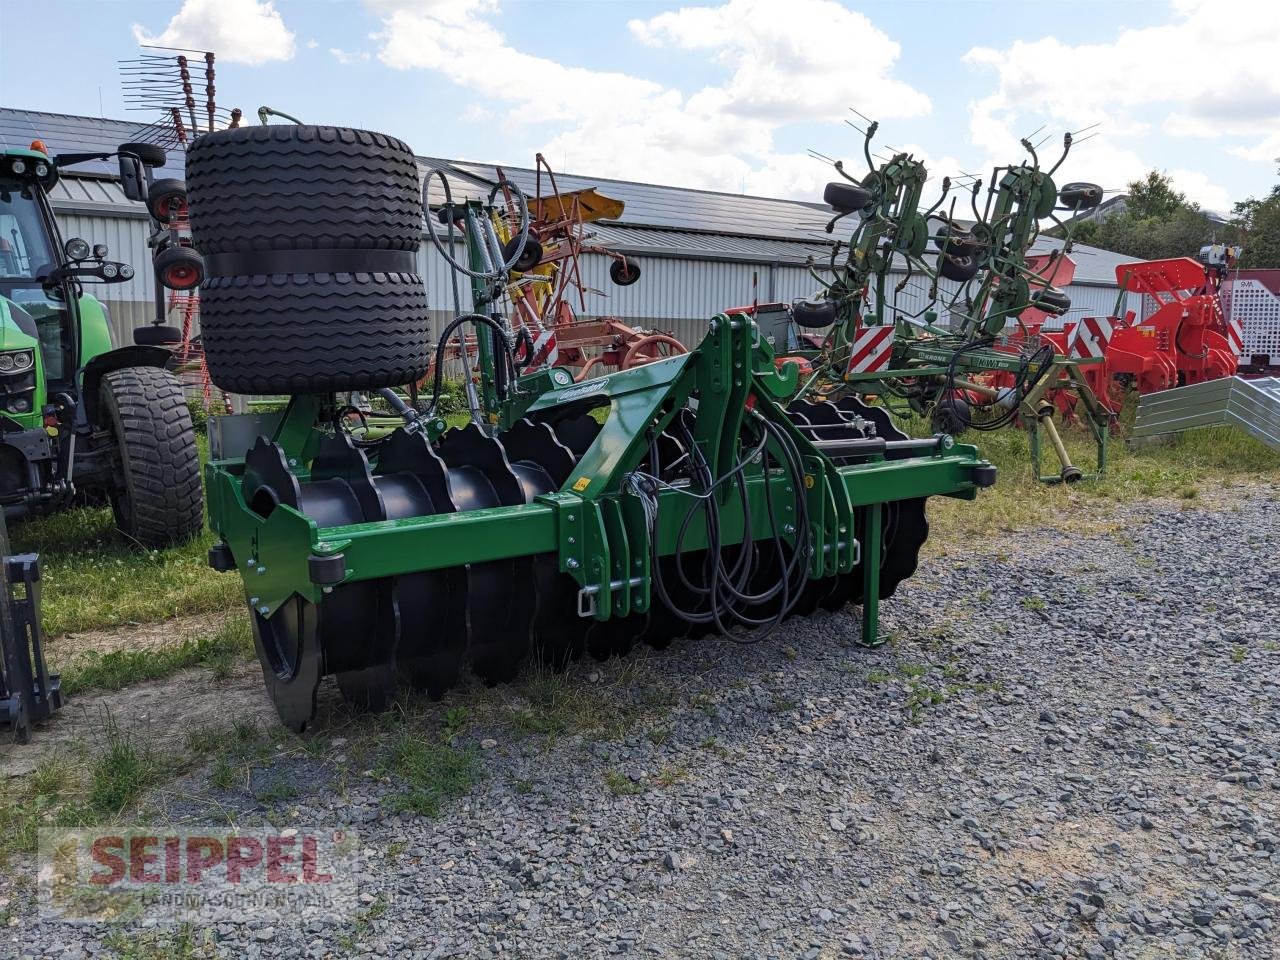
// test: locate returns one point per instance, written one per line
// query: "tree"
(1259, 222)
(1154, 198)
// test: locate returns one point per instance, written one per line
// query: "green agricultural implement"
(688, 496)
(80, 417)
(973, 373)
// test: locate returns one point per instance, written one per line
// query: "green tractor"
(82, 420)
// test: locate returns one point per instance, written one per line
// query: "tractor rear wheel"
(155, 490)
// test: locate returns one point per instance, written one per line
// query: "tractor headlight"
(77, 249)
(19, 167)
(20, 405)
(109, 270)
(126, 271)
(41, 169)
(16, 361)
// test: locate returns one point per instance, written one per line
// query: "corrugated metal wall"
(126, 238)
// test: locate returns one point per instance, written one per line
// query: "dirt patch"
(159, 714)
(137, 636)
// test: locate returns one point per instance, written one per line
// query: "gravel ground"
(1069, 748)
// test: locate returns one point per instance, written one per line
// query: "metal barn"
(700, 251)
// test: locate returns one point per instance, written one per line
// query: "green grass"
(68, 791)
(219, 650)
(619, 784)
(432, 773)
(1179, 467)
(182, 943)
(93, 578)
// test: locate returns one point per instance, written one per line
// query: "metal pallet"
(1252, 405)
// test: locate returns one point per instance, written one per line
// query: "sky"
(728, 95)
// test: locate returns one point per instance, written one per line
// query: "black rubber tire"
(624, 274)
(183, 260)
(813, 314)
(302, 188)
(846, 197)
(1080, 195)
(161, 195)
(153, 335)
(956, 240)
(529, 256)
(300, 333)
(951, 415)
(1051, 300)
(156, 495)
(150, 154)
(959, 269)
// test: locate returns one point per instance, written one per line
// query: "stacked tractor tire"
(310, 237)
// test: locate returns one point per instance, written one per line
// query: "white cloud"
(238, 31)
(784, 63)
(1211, 72)
(348, 58)
(312, 44)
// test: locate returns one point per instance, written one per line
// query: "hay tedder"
(983, 370)
(689, 495)
(543, 290)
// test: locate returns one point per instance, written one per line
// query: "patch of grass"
(455, 721)
(877, 677)
(230, 642)
(658, 735)
(183, 943)
(554, 704)
(521, 786)
(93, 578)
(120, 773)
(52, 796)
(1191, 461)
(670, 775)
(782, 705)
(1238, 654)
(433, 773)
(278, 791)
(620, 785)
(1032, 603)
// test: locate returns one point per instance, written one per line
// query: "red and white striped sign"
(871, 350)
(1235, 335)
(545, 350)
(1088, 338)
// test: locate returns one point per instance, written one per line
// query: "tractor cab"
(62, 380)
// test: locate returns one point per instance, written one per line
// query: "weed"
(782, 705)
(1238, 654)
(659, 735)
(521, 786)
(913, 669)
(790, 652)
(877, 677)
(1033, 603)
(455, 721)
(434, 773)
(670, 775)
(182, 944)
(223, 775)
(619, 785)
(279, 791)
(120, 774)
(1271, 646)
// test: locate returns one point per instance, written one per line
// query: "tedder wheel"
(167, 198)
(655, 346)
(155, 491)
(624, 272)
(529, 256)
(156, 335)
(150, 154)
(846, 197)
(311, 281)
(179, 268)
(957, 268)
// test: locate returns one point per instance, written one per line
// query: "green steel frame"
(595, 526)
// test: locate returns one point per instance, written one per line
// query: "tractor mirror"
(132, 179)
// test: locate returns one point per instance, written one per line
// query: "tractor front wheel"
(155, 489)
